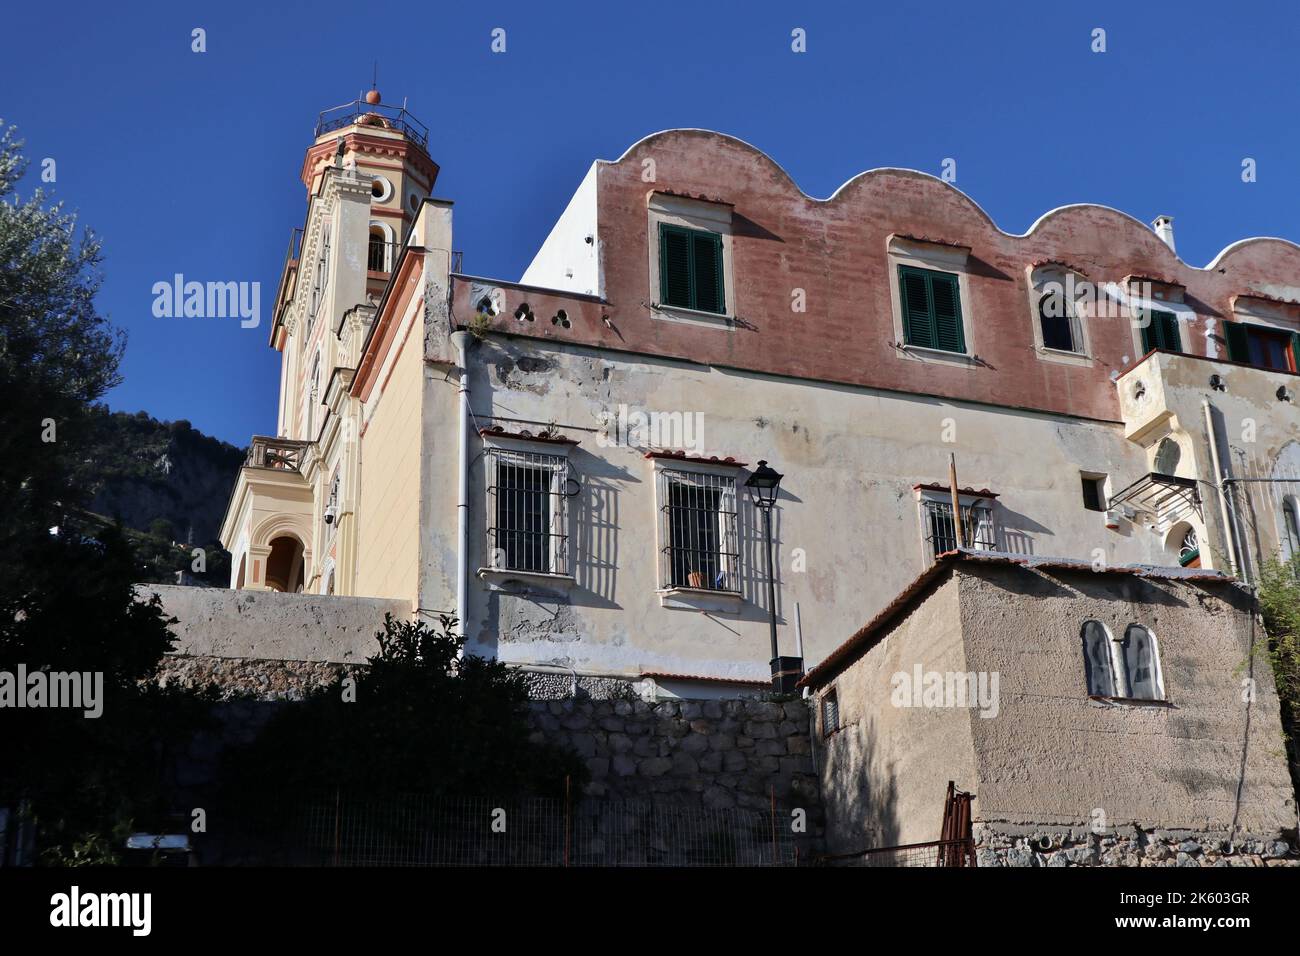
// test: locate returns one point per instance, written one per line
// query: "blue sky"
(187, 162)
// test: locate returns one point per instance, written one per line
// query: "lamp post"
(764, 485)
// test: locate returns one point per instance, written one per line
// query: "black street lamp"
(764, 485)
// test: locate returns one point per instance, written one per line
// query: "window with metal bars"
(830, 712)
(978, 530)
(690, 269)
(527, 513)
(697, 533)
(931, 304)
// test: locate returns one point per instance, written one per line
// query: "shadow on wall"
(597, 516)
(862, 794)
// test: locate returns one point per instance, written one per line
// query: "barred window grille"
(527, 511)
(699, 543)
(978, 530)
(830, 713)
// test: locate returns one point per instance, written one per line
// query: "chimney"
(1164, 227)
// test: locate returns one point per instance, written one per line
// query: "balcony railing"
(377, 114)
(280, 454)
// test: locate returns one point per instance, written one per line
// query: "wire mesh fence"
(339, 829)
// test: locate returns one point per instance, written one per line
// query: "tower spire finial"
(373, 96)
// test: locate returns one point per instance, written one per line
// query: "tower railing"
(380, 115)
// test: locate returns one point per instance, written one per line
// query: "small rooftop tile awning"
(553, 438)
(697, 459)
(702, 679)
(970, 492)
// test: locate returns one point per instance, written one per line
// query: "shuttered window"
(1097, 660)
(931, 309)
(1162, 333)
(1262, 347)
(690, 269)
(1139, 649)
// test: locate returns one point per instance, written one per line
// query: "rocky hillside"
(165, 480)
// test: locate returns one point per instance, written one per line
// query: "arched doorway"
(285, 568)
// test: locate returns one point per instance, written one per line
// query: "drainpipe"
(1229, 529)
(460, 340)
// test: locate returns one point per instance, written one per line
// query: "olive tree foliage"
(67, 602)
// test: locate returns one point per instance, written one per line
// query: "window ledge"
(677, 313)
(701, 599)
(923, 352)
(500, 579)
(1128, 701)
(1064, 356)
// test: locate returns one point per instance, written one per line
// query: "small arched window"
(1057, 325)
(1141, 664)
(1290, 528)
(1059, 309)
(378, 252)
(1097, 662)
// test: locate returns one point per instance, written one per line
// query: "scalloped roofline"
(1208, 267)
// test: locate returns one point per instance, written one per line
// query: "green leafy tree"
(1279, 602)
(66, 597)
(419, 718)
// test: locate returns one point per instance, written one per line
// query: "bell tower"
(389, 147)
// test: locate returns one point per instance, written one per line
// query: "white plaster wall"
(847, 511)
(566, 260)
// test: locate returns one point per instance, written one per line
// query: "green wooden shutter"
(1162, 333)
(946, 298)
(1238, 341)
(1170, 334)
(706, 253)
(1295, 351)
(918, 323)
(931, 306)
(674, 266)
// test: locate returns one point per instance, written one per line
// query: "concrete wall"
(1054, 756)
(848, 528)
(271, 626)
(885, 772)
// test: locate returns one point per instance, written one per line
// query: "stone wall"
(718, 754)
(236, 678)
(1002, 846)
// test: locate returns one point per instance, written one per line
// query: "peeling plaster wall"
(848, 513)
(1052, 756)
(1255, 430)
(885, 772)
